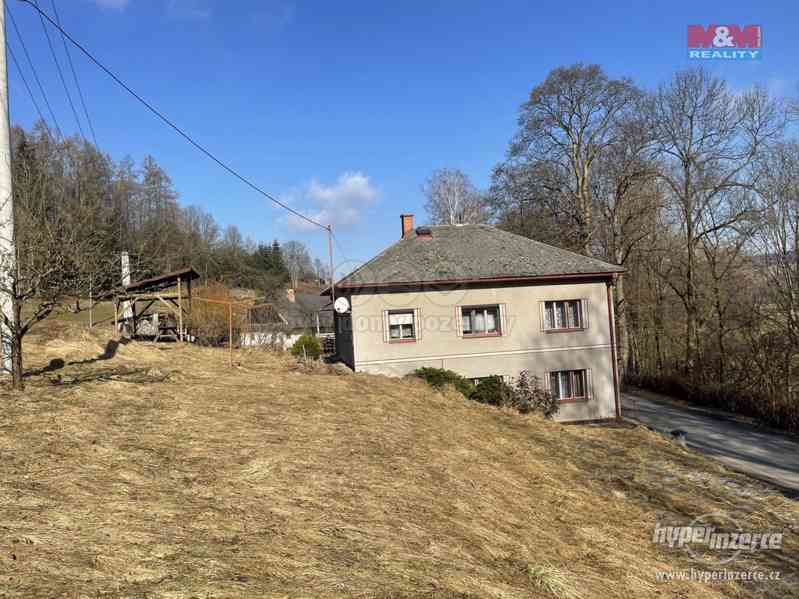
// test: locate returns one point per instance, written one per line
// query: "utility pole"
(8, 252)
(330, 256)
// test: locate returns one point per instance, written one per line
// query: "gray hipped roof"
(471, 253)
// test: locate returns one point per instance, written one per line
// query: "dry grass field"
(149, 471)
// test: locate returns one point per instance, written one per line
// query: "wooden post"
(133, 316)
(91, 305)
(230, 330)
(180, 310)
(116, 316)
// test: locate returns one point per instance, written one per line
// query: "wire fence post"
(230, 331)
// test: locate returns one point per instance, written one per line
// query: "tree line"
(76, 210)
(693, 188)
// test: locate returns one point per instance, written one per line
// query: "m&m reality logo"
(725, 42)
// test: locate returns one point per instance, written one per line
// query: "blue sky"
(344, 109)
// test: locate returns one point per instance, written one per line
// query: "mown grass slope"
(145, 470)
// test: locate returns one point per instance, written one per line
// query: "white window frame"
(572, 373)
(414, 314)
(498, 320)
(548, 323)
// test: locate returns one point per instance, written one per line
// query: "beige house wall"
(523, 345)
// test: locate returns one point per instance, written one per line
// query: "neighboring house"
(482, 301)
(283, 321)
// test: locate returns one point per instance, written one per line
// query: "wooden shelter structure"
(171, 292)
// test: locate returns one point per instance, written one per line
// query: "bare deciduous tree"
(297, 261)
(51, 263)
(778, 244)
(568, 122)
(707, 141)
(452, 199)
(627, 199)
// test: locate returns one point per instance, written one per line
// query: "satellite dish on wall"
(342, 306)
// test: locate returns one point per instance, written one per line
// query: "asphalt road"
(758, 452)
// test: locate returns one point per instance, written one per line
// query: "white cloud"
(189, 9)
(115, 4)
(337, 204)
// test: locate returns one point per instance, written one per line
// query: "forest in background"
(110, 207)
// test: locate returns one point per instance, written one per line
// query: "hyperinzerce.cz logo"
(725, 42)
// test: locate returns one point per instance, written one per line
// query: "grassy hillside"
(155, 471)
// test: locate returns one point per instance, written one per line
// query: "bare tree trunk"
(16, 363)
(690, 292)
(658, 322)
(721, 332)
(16, 348)
(586, 213)
(622, 328)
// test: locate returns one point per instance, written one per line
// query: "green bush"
(307, 346)
(525, 395)
(493, 391)
(438, 378)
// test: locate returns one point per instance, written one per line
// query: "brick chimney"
(407, 224)
(290, 295)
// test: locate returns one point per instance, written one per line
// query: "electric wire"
(34, 71)
(75, 76)
(43, 15)
(28, 87)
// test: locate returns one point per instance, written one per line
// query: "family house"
(283, 320)
(482, 301)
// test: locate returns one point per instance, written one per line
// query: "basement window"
(569, 385)
(401, 326)
(564, 315)
(480, 321)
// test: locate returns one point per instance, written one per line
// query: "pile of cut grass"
(143, 470)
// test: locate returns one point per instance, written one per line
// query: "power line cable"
(75, 76)
(171, 124)
(28, 87)
(35, 73)
(42, 14)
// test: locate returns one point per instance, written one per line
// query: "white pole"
(330, 256)
(127, 306)
(8, 258)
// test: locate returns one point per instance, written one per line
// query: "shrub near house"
(307, 347)
(525, 394)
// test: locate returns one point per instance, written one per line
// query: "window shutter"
(402, 318)
(589, 384)
(417, 323)
(458, 321)
(385, 326)
(584, 307)
(503, 309)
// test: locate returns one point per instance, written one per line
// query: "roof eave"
(601, 275)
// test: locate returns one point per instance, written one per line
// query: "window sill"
(480, 335)
(574, 400)
(402, 340)
(575, 330)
